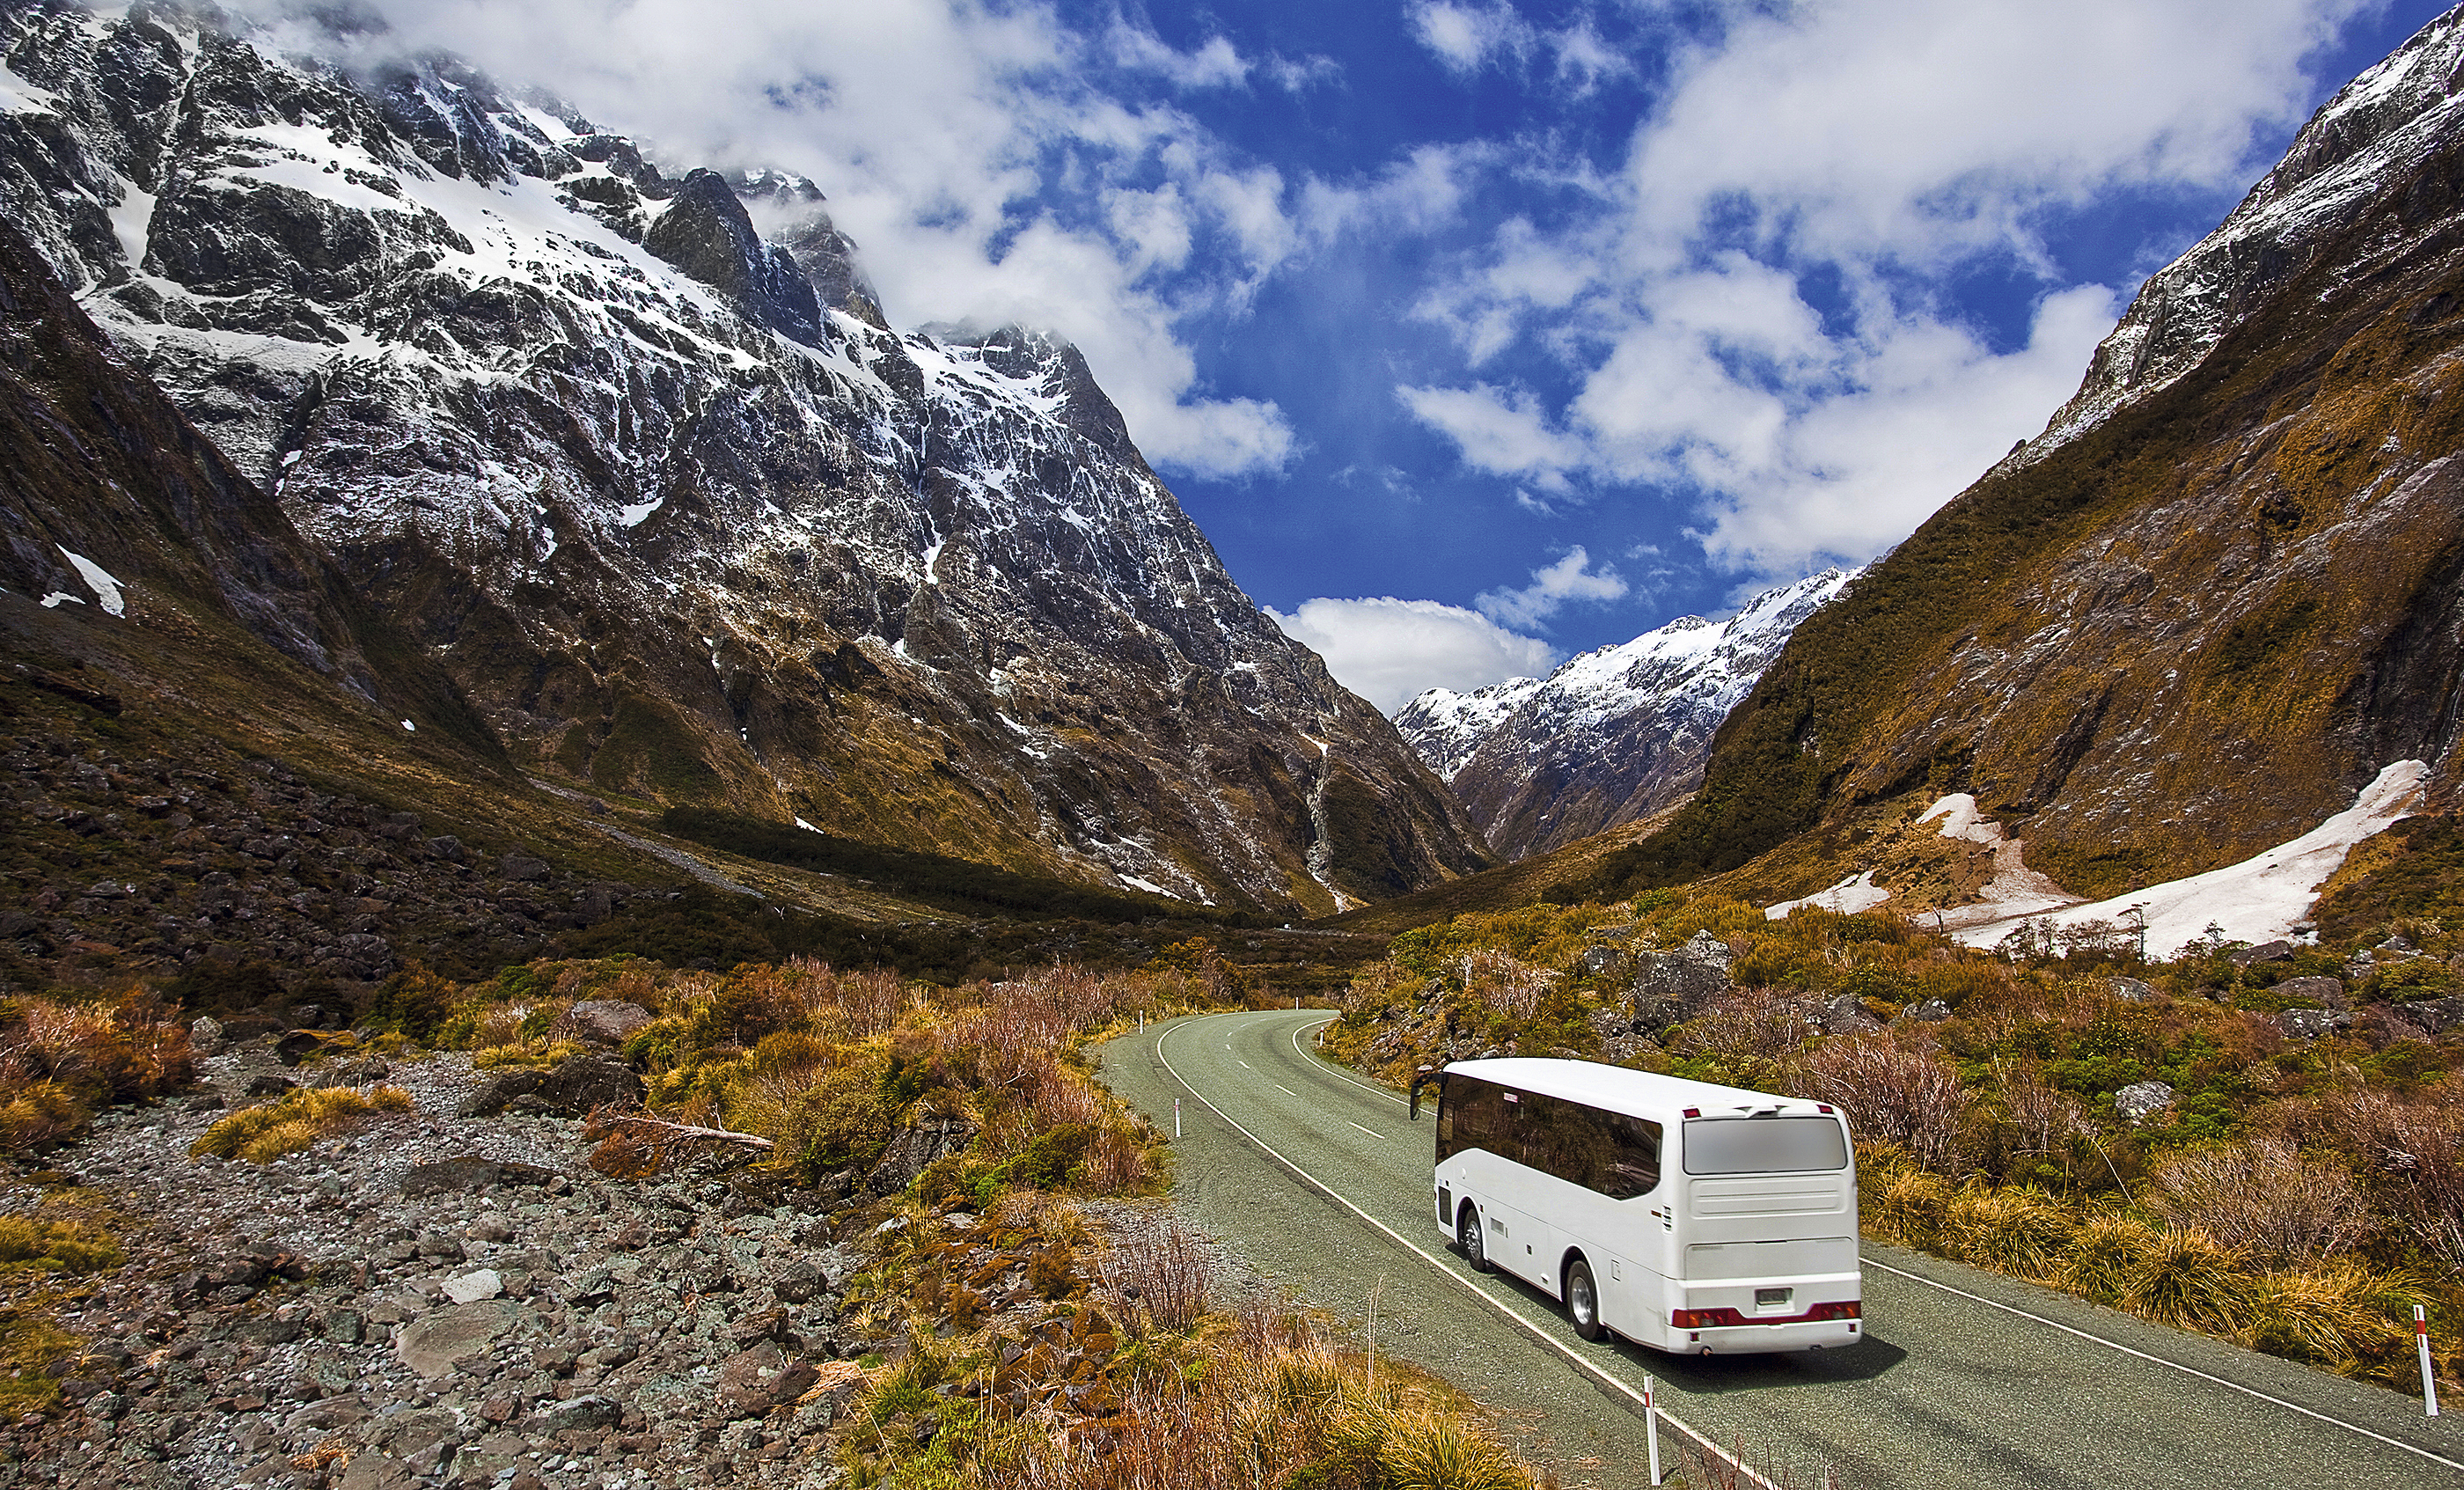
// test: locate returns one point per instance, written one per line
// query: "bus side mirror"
(1420, 1079)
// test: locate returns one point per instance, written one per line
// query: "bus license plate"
(1771, 1298)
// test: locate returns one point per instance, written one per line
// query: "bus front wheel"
(1583, 1301)
(1467, 1231)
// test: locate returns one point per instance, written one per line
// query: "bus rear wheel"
(1467, 1231)
(1583, 1301)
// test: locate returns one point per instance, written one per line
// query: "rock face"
(2222, 590)
(1612, 736)
(667, 501)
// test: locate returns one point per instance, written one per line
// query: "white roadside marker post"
(1651, 1426)
(2429, 1379)
(1175, 1120)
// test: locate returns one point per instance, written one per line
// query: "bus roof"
(1623, 1091)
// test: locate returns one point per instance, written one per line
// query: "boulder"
(1609, 961)
(2141, 1101)
(601, 1021)
(2265, 951)
(1654, 1016)
(431, 1344)
(915, 1146)
(2434, 1015)
(2324, 993)
(472, 1287)
(2131, 990)
(1932, 1011)
(468, 1172)
(1691, 976)
(751, 1382)
(205, 1035)
(1844, 1014)
(522, 867)
(2311, 1023)
(571, 1089)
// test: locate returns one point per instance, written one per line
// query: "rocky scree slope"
(1610, 737)
(664, 497)
(2220, 592)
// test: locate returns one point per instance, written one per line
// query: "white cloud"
(1466, 37)
(1551, 589)
(1390, 651)
(963, 146)
(1500, 431)
(1864, 148)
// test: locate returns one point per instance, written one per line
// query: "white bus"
(1680, 1214)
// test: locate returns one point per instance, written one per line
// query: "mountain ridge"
(678, 523)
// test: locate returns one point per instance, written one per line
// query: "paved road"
(1966, 1378)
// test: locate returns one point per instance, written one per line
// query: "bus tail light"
(1718, 1318)
(1851, 1310)
(1703, 1319)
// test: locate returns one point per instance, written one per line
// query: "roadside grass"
(64, 1059)
(2295, 1195)
(263, 1134)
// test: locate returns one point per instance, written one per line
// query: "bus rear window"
(1764, 1146)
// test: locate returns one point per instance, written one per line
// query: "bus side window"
(1446, 1117)
(1634, 1157)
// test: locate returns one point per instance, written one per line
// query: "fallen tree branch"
(676, 1131)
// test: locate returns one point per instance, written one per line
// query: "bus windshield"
(1764, 1146)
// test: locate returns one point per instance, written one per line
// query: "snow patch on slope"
(1855, 894)
(2261, 898)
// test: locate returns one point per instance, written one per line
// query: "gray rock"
(2326, 993)
(522, 867)
(448, 848)
(205, 1035)
(2264, 952)
(2311, 1023)
(579, 1414)
(1932, 1011)
(431, 1344)
(472, 1287)
(800, 1283)
(1604, 962)
(602, 1021)
(2131, 990)
(1690, 976)
(469, 1173)
(571, 1089)
(1844, 1014)
(913, 1147)
(2434, 1015)
(2141, 1101)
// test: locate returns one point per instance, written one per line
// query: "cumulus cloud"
(977, 154)
(1391, 652)
(1749, 311)
(1552, 589)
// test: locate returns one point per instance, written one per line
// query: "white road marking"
(1370, 1131)
(2187, 1370)
(1286, 1090)
(1613, 1383)
(2111, 1345)
(1245, 1065)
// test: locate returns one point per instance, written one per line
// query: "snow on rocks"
(1855, 894)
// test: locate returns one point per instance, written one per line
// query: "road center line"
(2110, 1344)
(2188, 1370)
(1245, 1065)
(1370, 1131)
(1286, 1090)
(1613, 1383)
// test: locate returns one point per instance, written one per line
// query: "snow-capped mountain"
(1611, 736)
(673, 505)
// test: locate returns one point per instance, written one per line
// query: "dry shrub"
(36, 1116)
(1117, 1163)
(1749, 1024)
(260, 1136)
(2104, 1258)
(1160, 1275)
(128, 1048)
(2043, 1119)
(2265, 1198)
(1893, 1093)
(2190, 1280)
(2017, 1230)
(70, 1246)
(1910, 1207)
(2339, 1315)
(2416, 1149)
(1505, 984)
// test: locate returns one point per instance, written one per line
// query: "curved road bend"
(1967, 1378)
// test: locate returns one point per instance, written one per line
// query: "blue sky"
(1477, 332)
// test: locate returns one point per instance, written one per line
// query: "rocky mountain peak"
(680, 512)
(1611, 736)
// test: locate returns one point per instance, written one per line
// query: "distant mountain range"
(1612, 736)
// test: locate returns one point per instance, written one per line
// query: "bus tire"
(1475, 1245)
(1583, 1301)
